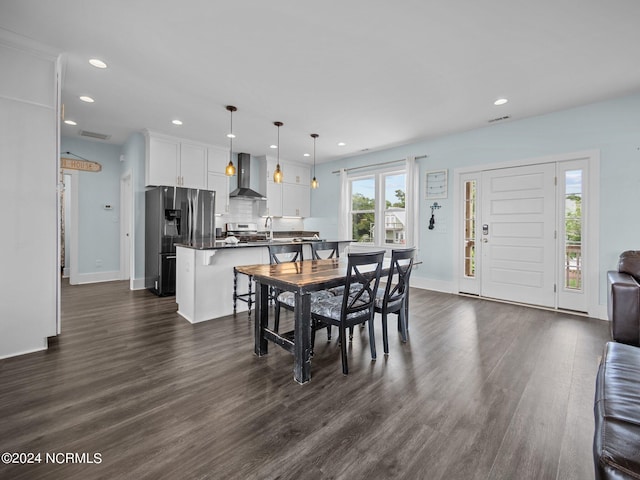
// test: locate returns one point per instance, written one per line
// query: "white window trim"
(380, 205)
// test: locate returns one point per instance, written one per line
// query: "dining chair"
(283, 254)
(290, 253)
(324, 250)
(355, 305)
(393, 297)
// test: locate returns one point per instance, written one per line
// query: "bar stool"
(243, 297)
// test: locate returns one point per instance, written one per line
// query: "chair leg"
(343, 349)
(406, 310)
(276, 321)
(328, 333)
(402, 318)
(350, 333)
(385, 335)
(372, 340)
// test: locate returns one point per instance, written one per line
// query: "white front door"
(517, 233)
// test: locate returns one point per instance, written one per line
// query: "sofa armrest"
(624, 307)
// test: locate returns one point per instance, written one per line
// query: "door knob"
(485, 240)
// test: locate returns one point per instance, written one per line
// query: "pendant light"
(277, 175)
(230, 171)
(314, 182)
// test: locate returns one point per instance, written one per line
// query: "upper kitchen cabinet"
(218, 158)
(219, 183)
(273, 191)
(295, 174)
(292, 197)
(193, 166)
(296, 200)
(173, 162)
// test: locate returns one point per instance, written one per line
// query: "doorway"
(527, 232)
(126, 227)
(69, 226)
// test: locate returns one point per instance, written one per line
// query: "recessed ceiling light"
(341, 144)
(306, 154)
(70, 122)
(176, 122)
(97, 63)
(84, 98)
(273, 146)
(500, 101)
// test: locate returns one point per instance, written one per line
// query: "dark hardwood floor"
(482, 390)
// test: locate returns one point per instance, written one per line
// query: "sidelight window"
(573, 227)
(470, 229)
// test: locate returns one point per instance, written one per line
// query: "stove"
(246, 232)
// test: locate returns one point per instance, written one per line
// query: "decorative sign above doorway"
(84, 165)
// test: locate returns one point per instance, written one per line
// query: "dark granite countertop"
(221, 245)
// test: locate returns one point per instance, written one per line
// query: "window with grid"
(378, 215)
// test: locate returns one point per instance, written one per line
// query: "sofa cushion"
(629, 262)
(616, 444)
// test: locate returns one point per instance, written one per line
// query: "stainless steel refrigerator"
(174, 215)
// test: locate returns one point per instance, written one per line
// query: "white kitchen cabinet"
(296, 190)
(219, 182)
(296, 174)
(292, 197)
(218, 159)
(296, 200)
(193, 166)
(173, 162)
(162, 160)
(273, 205)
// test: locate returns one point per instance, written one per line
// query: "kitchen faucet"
(268, 223)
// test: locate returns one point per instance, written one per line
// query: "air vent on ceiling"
(99, 136)
(499, 119)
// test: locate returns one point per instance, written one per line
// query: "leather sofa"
(624, 299)
(616, 443)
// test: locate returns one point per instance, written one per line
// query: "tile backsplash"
(243, 211)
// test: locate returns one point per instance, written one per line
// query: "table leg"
(262, 317)
(235, 289)
(249, 297)
(302, 338)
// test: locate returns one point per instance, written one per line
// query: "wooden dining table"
(301, 278)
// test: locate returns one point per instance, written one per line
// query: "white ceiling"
(371, 73)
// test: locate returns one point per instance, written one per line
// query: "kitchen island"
(204, 275)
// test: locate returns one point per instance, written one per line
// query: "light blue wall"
(98, 228)
(133, 152)
(612, 127)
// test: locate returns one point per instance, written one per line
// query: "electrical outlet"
(98, 263)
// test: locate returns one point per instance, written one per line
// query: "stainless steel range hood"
(244, 176)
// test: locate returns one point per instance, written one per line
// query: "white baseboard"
(430, 284)
(137, 284)
(97, 277)
(599, 311)
(25, 352)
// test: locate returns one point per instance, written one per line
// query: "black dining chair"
(324, 250)
(282, 254)
(355, 305)
(290, 253)
(393, 298)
